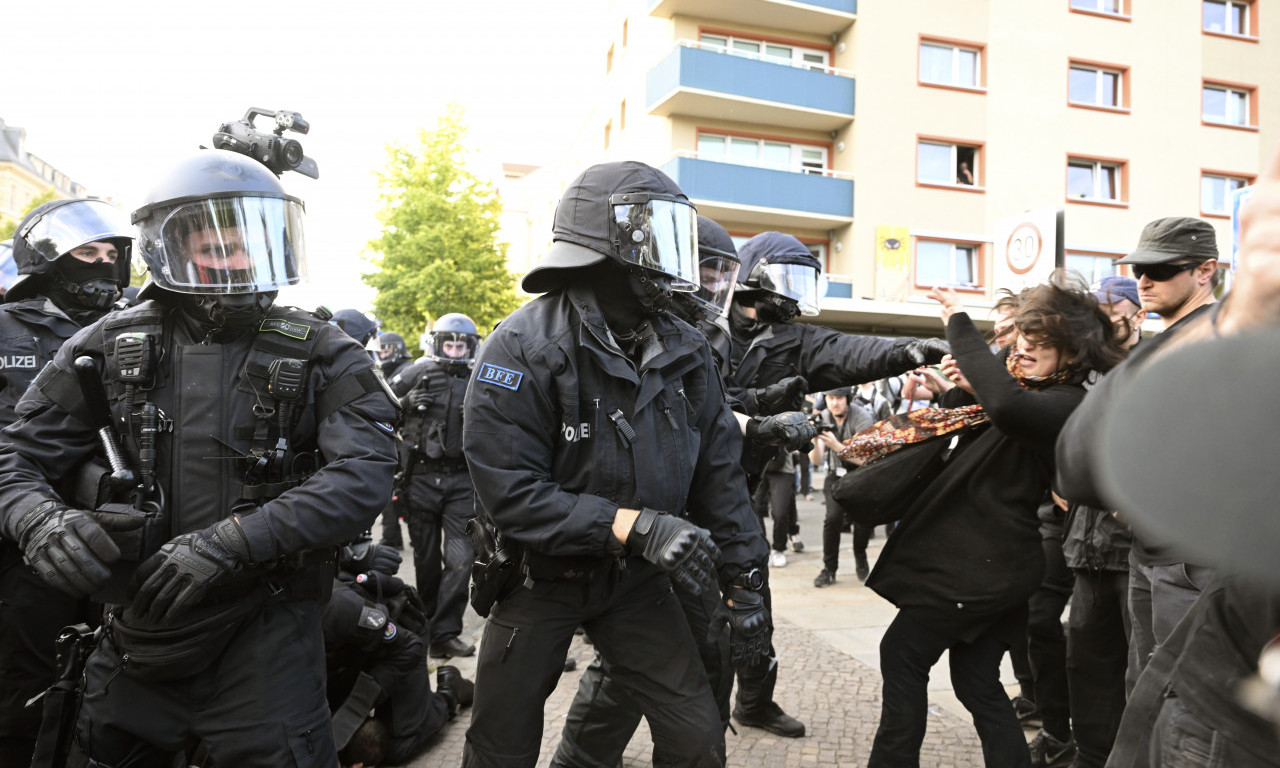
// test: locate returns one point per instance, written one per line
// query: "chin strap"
(776, 308)
(653, 293)
(229, 312)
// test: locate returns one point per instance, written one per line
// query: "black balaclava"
(83, 290)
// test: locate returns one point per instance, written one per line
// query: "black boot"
(456, 689)
(862, 568)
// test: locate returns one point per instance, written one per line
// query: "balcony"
(773, 199)
(710, 83)
(820, 17)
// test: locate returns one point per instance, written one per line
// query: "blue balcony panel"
(773, 199)
(709, 84)
(819, 17)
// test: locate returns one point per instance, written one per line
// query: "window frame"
(1122, 15)
(1217, 174)
(1250, 16)
(979, 70)
(1250, 93)
(1122, 180)
(797, 147)
(1099, 67)
(978, 166)
(798, 48)
(978, 268)
(1097, 256)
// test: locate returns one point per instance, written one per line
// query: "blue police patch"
(492, 374)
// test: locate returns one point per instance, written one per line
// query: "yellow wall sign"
(893, 263)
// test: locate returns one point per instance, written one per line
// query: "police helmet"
(781, 267)
(356, 324)
(441, 342)
(8, 269)
(221, 223)
(44, 240)
(391, 346)
(628, 212)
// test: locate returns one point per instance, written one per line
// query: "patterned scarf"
(902, 429)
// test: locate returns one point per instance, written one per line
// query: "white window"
(1098, 6)
(1093, 180)
(1092, 266)
(949, 65)
(762, 153)
(939, 163)
(1216, 191)
(1225, 105)
(1090, 85)
(777, 53)
(1230, 17)
(942, 263)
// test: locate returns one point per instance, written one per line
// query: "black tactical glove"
(364, 556)
(181, 573)
(791, 429)
(786, 395)
(750, 625)
(417, 400)
(926, 351)
(408, 610)
(66, 547)
(683, 550)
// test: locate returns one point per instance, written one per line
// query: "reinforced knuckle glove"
(182, 572)
(750, 625)
(681, 549)
(364, 556)
(786, 395)
(418, 399)
(66, 547)
(926, 351)
(791, 429)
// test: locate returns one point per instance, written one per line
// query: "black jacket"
(561, 430)
(436, 433)
(967, 554)
(30, 334)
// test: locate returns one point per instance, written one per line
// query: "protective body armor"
(435, 434)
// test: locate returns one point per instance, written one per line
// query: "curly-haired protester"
(966, 555)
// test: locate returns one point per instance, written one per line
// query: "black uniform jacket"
(201, 390)
(561, 430)
(30, 334)
(968, 552)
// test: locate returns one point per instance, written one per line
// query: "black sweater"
(967, 554)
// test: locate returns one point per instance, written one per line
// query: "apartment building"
(23, 175)
(921, 142)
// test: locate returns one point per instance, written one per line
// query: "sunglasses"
(1162, 272)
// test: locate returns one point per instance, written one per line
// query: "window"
(1096, 180)
(943, 263)
(941, 163)
(1216, 190)
(1094, 86)
(1113, 7)
(774, 52)
(944, 64)
(1092, 267)
(1226, 106)
(763, 153)
(1229, 17)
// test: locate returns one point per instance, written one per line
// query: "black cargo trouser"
(1097, 656)
(636, 623)
(440, 504)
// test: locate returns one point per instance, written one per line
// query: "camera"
(271, 149)
(819, 423)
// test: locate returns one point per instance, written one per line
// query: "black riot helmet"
(779, 272)
(627, 212)
(452, 340)
(356, 324)
(8, 269)
(220, 223)
(43, 247)
(391, 347)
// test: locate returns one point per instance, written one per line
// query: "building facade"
(899, 140)
(24, 176)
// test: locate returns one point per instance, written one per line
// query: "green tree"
(438, 251)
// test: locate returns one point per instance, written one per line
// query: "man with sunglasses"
(1175, 264)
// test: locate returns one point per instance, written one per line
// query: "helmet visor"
(660, 235)
(717, 276)
(8, 267)
(799, 282)
(231, 245)
(65, 227)
(454, 346)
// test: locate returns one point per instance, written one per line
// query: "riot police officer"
(435, 495)
(253, 439)
(393, 354)
(72, 258)
(772, 363)
(595, 421)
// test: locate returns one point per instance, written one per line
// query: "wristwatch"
(752, 579)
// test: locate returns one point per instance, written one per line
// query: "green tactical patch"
(292, 330)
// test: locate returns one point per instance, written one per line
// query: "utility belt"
(540, 567)
(439, 466)
(306, 575)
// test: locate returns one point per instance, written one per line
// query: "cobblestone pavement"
(826, 639)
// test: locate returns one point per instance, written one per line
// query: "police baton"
(95, 397)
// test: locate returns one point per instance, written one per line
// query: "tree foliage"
(8, 226)
(438, 251)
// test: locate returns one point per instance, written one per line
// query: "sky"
(113, 94)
